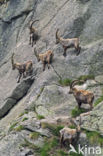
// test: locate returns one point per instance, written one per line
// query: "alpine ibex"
(81, 96)
(45, 58)
(23, 69)
(68, 43)
(69, 134)
(33, 34)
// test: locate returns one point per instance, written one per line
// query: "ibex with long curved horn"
(45, 58)
(81, 96)
(23, 69)
(33, 34)
(68, 43)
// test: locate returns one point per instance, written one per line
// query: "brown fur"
(68, 43)
(68, 134)
(23, 68)
(81, 96)
(33, 34)
(45, 58)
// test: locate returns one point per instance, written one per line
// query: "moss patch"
(76, 111)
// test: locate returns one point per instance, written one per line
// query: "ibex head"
(73, 83)
(12, 62)
(36, 54)
(31, 24)
(57, 37)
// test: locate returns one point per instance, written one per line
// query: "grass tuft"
(19, 128)
(99, 100)
(25, 118)
(76, 111)
(12, 126)
(34, 135)
(39, 117)
(61, 153)
(72, 126)
(30, 145)
(94, 137)
(86, 77)
(49, 147)
(53, 128)
(65, 82)
(25, 112)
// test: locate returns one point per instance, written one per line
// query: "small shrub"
(76, 111)
(65, 82)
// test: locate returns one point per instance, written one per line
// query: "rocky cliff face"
(42, 96)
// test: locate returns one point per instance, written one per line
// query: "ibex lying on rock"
(68, 43)
(81, 96)
(23, 69)
(45, 58)
(69, 134)
(33, 34)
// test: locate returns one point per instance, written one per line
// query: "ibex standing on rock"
(33, 34)
(68, 43)
(23, 69)
(69, 135)
(45, 58)
(81, 96)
